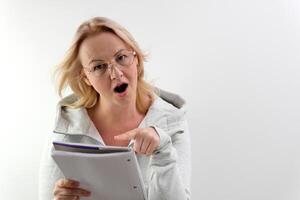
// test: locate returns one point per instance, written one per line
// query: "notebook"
(109, 172)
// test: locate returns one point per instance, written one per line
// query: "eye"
(100, 67)
(122, 58)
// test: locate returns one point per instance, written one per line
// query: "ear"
(137, 63)
(139, 69)
(136, 60)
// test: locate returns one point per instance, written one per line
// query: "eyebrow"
(95, 60)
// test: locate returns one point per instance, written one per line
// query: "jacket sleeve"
(49, 172)
(170, 165)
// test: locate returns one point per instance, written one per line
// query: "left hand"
(146, 140)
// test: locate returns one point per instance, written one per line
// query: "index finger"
(127, 135)
(68, 183)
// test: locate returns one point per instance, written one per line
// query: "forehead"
(100, 46)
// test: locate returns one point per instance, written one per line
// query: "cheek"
(132, 75)
(99, 85)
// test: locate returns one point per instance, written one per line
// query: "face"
(117, 83)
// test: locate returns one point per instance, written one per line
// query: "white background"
(236, 63)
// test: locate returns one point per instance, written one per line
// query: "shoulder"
(70, 120)
(67, 100)
(171, 98)
(66, 111)
(167, 110)
(168, 102)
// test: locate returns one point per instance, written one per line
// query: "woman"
(112, 104)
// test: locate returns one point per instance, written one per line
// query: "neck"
(119, 113)
(126, 116)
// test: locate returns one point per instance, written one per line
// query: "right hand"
(67, 189)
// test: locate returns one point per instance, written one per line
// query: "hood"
(167, 109)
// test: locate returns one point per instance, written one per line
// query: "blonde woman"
(112, 104)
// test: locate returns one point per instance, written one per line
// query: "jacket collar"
(167, 109)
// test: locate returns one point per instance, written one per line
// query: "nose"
(115, 72)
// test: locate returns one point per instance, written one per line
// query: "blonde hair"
(69, 72)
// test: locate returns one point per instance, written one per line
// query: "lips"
(121, 87)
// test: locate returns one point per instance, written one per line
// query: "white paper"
(109, 176)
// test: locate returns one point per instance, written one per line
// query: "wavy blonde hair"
(69, 71)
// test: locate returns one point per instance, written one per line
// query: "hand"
(66, 189)
(146, 139)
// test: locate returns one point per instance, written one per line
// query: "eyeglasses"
(123, 58)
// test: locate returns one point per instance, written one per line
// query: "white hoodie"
(166, 173)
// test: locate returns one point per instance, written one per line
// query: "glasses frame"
(111, 63)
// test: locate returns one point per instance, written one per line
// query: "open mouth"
(121, 88)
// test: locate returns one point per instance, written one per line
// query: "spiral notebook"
(109, 172)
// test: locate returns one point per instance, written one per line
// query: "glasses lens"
(125, 58)
(100, 69)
